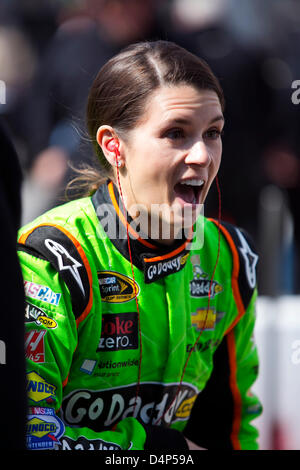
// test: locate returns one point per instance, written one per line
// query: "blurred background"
(50, 52)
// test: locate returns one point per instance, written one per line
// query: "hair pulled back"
(119, 92)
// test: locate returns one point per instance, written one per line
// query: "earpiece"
(113, 146)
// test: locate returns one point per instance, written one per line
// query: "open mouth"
(189, 191)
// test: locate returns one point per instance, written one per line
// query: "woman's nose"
(198, 155)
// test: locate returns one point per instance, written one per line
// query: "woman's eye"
(213, 133)
(175, 134)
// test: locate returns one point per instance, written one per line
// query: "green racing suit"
(135, 345)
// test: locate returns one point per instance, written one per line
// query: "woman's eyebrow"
(180, 120)
(217, 118)
(187, 121)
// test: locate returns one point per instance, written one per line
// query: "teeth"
(193, 182)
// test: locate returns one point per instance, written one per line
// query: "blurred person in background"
(36, 19)
(281, 157)
(16, 54)
(52, 117)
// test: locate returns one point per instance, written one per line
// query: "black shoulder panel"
(248, 259)
(51, 243)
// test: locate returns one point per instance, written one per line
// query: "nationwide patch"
(43, 293)
(34, 345)
(43, 429)
(88, 366)
(116, 288)
(201, 285)
(38, 389)
(38, 316)
(119, 331)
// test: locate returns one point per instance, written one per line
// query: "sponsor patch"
(154, 270)
(33, 314)
(110, 367)
(43, 293)
(156, 403)
(87, 444)
(116, 288)
(34, 345)
(43, 429)
(204, 319)
(67, 258)
(202, 346)
(118, 364)
(38, 389)
(88, 366)
(201, 284)
(65, 261)
(185, 408)
(119, 331)
(250, 259)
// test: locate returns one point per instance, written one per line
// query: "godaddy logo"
(2, 92)
(2, 352)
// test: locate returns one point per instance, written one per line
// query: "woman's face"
(173, 154)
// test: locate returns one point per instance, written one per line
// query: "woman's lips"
(188, 192)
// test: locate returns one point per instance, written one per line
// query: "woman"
(140, 312)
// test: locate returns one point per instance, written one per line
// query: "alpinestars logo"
(250, 259)
(65, 261)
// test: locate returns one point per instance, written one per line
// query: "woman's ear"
(109, 143)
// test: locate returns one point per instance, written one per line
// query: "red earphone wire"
(135, 291)
(136, 300)
(208, 304)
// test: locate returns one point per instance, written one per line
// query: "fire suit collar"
(154, 259)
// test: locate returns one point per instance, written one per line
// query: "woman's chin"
(167, 221)
(186, 213)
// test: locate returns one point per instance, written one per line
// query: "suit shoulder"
(56, 238)
(244, 256)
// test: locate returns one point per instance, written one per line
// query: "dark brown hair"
(119, 92)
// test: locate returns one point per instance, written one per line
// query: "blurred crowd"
(51, 50)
